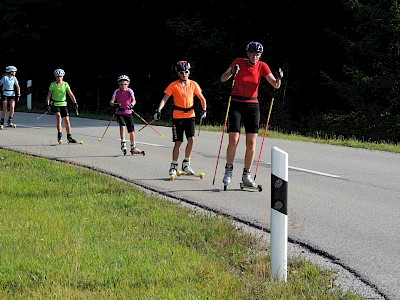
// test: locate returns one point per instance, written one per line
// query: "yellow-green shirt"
(59, 93)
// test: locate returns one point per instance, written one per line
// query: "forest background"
(340, 58)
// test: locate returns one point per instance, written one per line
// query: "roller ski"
(173, 170)
(136, 151)
(187, 170)
(183, 173)
(9, 124)
(227, 176)
(73, 141)
(248, 182)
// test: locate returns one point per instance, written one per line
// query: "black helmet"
(182, 65)
(254, 47)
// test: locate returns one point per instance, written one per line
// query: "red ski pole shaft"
(265, 133)
(147, 123)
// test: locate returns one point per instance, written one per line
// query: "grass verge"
(71, 233)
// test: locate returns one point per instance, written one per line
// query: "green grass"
(71, 233)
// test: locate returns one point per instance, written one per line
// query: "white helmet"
(11, 69)
(123, 77)
(59, 72)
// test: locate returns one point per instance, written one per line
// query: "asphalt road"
(343, 203)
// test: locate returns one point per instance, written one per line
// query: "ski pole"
(147, 123)
(42, 115)
(222, 137)
(201, 119)
(101, 138)
(265, 133)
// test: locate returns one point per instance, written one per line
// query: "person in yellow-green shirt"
(183, 91)
(57, 104)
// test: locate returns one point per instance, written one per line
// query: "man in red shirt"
(244, 107)
(183, 91)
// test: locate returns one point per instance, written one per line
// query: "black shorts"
(246, 114)
(180, 126)
(126, 120)
(8, 98)
(63, 110)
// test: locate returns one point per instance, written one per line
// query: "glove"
(116, 105)
(48, 108)
(157, 115)
(235, 69)
(203, 114)
(76, 105)
(18, 96)
(130, 106)
(279, 74)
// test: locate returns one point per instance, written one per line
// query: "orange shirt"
(183, 97)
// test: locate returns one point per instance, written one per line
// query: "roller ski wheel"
(1, 127)
(59, 142)
(76, 142)
(12, 125)
(183, 173)
(172, 177)
(124, 151)
(250, 187)
(136, 152)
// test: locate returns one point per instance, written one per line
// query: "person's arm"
(18, 89)
(133, 98)
(48, 97)
(229, 72)
(276, 83)
(72, 96)
(163, 101)
(157, 113)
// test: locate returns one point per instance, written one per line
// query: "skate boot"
(70, 139)
(135, 150)
(123, 147)
(173, 169)
(59, 137)
(186, 167)
(2, 124)
(228, 175)
(10, 123)
(247, 179)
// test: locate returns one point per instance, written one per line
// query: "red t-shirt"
(248, 79)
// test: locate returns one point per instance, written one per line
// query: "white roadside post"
(29, 95)
(279, 219)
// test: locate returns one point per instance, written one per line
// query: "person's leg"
(251, 139)
(234, 138)
(175, 150)
(122, 133)
(58, 121)
(12, 109)
(3, 114)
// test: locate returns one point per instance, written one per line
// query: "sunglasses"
(183, 72)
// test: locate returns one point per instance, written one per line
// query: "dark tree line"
(340, 59)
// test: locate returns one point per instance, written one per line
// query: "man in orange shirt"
(183, 91)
